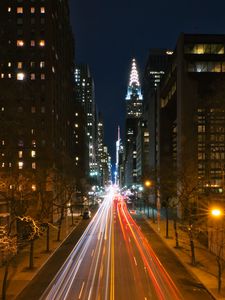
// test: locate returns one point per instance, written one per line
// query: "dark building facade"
(192, 118)
(155, 69)
(36, 84)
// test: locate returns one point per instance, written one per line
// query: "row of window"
(20, 165)
(19, 21)
(22, 76)
(32, 64)
(21, 43)
(204, 49)
(20, 9)
(33, 109)
(21, 142)
(206, 66)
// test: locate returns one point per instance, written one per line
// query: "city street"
(114, 260)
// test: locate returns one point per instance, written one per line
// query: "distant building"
(101, 159)
(155, 69)
(142, 160)
(191, 115)
(85, 94)
(134, 101)
(81, 149)
(37, 107)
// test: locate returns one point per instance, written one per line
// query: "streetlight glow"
(147, 183)
(216, 212)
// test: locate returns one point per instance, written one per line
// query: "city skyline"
(130, 30)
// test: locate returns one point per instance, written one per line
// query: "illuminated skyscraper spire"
(134, 77)
(134, 88)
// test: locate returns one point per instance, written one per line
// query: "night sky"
(108, 33)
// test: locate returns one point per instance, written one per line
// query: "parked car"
(86, 214)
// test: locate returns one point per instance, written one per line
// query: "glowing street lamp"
(216, 212)
(147, 183)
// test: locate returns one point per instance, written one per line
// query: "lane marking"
(135, 261)
(81, 290)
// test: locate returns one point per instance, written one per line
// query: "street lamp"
(147, 184)
(216, 212)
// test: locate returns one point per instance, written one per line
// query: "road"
(113, 260)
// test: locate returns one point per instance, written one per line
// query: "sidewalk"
(19, 274)
(206, 265)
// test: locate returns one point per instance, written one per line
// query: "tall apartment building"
(36, 98)
(85, 94)
(134, 101)
(192, 116)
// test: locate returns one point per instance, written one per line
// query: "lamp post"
(147, 185)
(217, 214)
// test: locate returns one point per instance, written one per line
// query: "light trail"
(163, 284)
(94, 235)
(90, 271)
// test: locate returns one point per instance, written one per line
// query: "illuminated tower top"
(134, 87)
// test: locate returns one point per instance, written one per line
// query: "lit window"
(19, 10)
(3, 165)
(32, 10)
(9, 75)
(19, 65)
(32, 43)
(42, 76)
(20, 76)
(20, 154)
(3, 108)
(42, 10)
(9, 64)
(9, 9)
(20, 165)
(32, 76)
(42, 64)
(33, 153)
(42, 43)
(20, 43)
(33, 187)
(2, 75)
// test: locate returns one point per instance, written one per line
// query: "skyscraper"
(133, 114)
(36, 83)
(192, 118)
(85, 94)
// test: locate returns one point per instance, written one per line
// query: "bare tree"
(8, 248)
